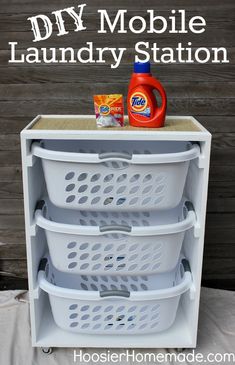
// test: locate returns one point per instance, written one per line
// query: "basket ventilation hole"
(71, 255)
(70, 198)
(73, 307)
(159, 189)
(85, 325)
(121, 189)
(96, 247)
(158, 200)
(146, 201)
(72, 244)
(73, 315)
(159, 178)
(133, 201)
(147, 189)
(155, 307)
(134, 287)
(95, 189)
(97, 326)
(143, 326)
(135, 178)
(121, 178)
(155, 316)
(134, 189)
(132, 309)
(74, 324)
(96, 257)
(84, 266)
(82, 177)
(97, 308)
(94, 287)
(95, 177)
(157, 256)
(84, 256)
(72, 265)
(143, 309)
(156, 266)
(108, 177)
(133, 247)
(95, 200)
(104, 278)
(108, 247)
(83, 199)
(84, 308)
(82, 188)
(108, 309)
(120, 309)
(147, 178)
(120, 201)
(70, 187)
(69, 175)
(96, 318)
(108, 189)
(85, 317)
(108, 200)
(144, 267)
(83, 246)
(109, 317)
(84, 286)
(143, 286)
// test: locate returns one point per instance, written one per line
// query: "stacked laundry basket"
(115, 218)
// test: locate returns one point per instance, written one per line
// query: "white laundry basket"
(114, 243)
(115, 175)
(114, 304)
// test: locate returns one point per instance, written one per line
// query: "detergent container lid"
(142, 67)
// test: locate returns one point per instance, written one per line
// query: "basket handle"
(115, 156)
(186, 265)
(114, 293)
(42, 264)
(115, 227)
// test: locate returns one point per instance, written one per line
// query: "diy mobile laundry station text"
(148, 22)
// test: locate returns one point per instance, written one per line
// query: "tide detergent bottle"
(142, 105)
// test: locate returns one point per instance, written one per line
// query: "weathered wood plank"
(9, 158)
(59, 91)
(77, 40)
(218, 19)
(14, 267)
(11, 206)
(10, 173)
(5, 56)
(187, 106)
(10, 252)
(43, 6)
(9, 142)
(31, 74)
(11, 190)
(12, 236)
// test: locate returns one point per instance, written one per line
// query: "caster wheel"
(47, 350)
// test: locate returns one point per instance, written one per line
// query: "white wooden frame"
(45, 333)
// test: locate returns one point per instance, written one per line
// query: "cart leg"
(47, 350)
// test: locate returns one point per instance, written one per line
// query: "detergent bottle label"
(139, 104)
